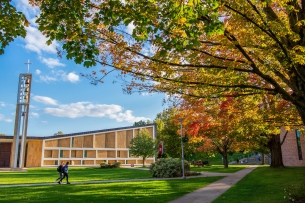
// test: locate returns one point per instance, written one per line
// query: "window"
(297, 134)
(85, 153)
(61, 153)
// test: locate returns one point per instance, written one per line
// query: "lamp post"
(182, 151)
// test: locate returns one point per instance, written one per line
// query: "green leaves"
(143, 145)
(11, 24)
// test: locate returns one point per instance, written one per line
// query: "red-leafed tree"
(236, 124)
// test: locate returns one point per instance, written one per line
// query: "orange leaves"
(225, 104)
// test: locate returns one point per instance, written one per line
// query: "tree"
(11, 24)
(201, 48)
(143, 145)
(2, 134)
(167, 131)
(141, 122)
(58, 133)
(240, 124)
(219, 124)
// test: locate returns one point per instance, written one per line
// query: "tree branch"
(284, 137)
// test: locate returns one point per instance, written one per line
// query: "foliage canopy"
(202, 49)
(12, 24)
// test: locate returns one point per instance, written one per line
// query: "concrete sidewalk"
(210, 192)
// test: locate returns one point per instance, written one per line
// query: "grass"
(46, 175)
(265, 184)
(219, 168)
(213, 168)
(160, 191)
(217, 160)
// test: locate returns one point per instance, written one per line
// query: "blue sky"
(62, 100)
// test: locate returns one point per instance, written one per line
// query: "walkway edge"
(212, 191)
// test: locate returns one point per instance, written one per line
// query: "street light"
(182, 151)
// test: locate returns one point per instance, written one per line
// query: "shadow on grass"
(265, 184)
(142, 191)
(219, 168)
(47, 175)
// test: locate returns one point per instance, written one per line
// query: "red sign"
(160, 148)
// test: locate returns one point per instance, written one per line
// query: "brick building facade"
(293, 148)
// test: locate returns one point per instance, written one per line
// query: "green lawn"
(266, 184)
(219, 168)
(217, 160)
(141, 191)
(46, 175)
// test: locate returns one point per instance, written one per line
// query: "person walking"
(65, 170)
(59, 170)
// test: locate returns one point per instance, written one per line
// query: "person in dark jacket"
(65, 170)
(59, 170)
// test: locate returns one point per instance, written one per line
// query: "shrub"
(168, 167)
(115, 165)
(104, 165)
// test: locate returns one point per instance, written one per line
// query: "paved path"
(206, 194)
(212, 191)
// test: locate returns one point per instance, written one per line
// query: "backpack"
(59, 168)
(65, 169)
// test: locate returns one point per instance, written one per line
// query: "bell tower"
(21, 119)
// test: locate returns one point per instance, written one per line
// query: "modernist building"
(80, 149)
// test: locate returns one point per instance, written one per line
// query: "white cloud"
(45, 122)
(60, 75)
(2, 104)
(27, 9)
(82, 109)
(127, 116)
(36, 41)
(71, 77)
(35, 115)
(32, 107)
(45, 100)
(2, 118)
(51, 62)
(146, 94)
(38, 71)
(130, 28)
(47, 79)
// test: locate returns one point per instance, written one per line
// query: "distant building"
(80, 149)
(293, 148)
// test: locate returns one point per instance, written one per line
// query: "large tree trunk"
(274, 145)
(225, 156)
(223, 150)
(263, 159)
(225, 160)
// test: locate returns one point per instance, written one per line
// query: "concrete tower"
(21, 119)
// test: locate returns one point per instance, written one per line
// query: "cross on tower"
(28, 65)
